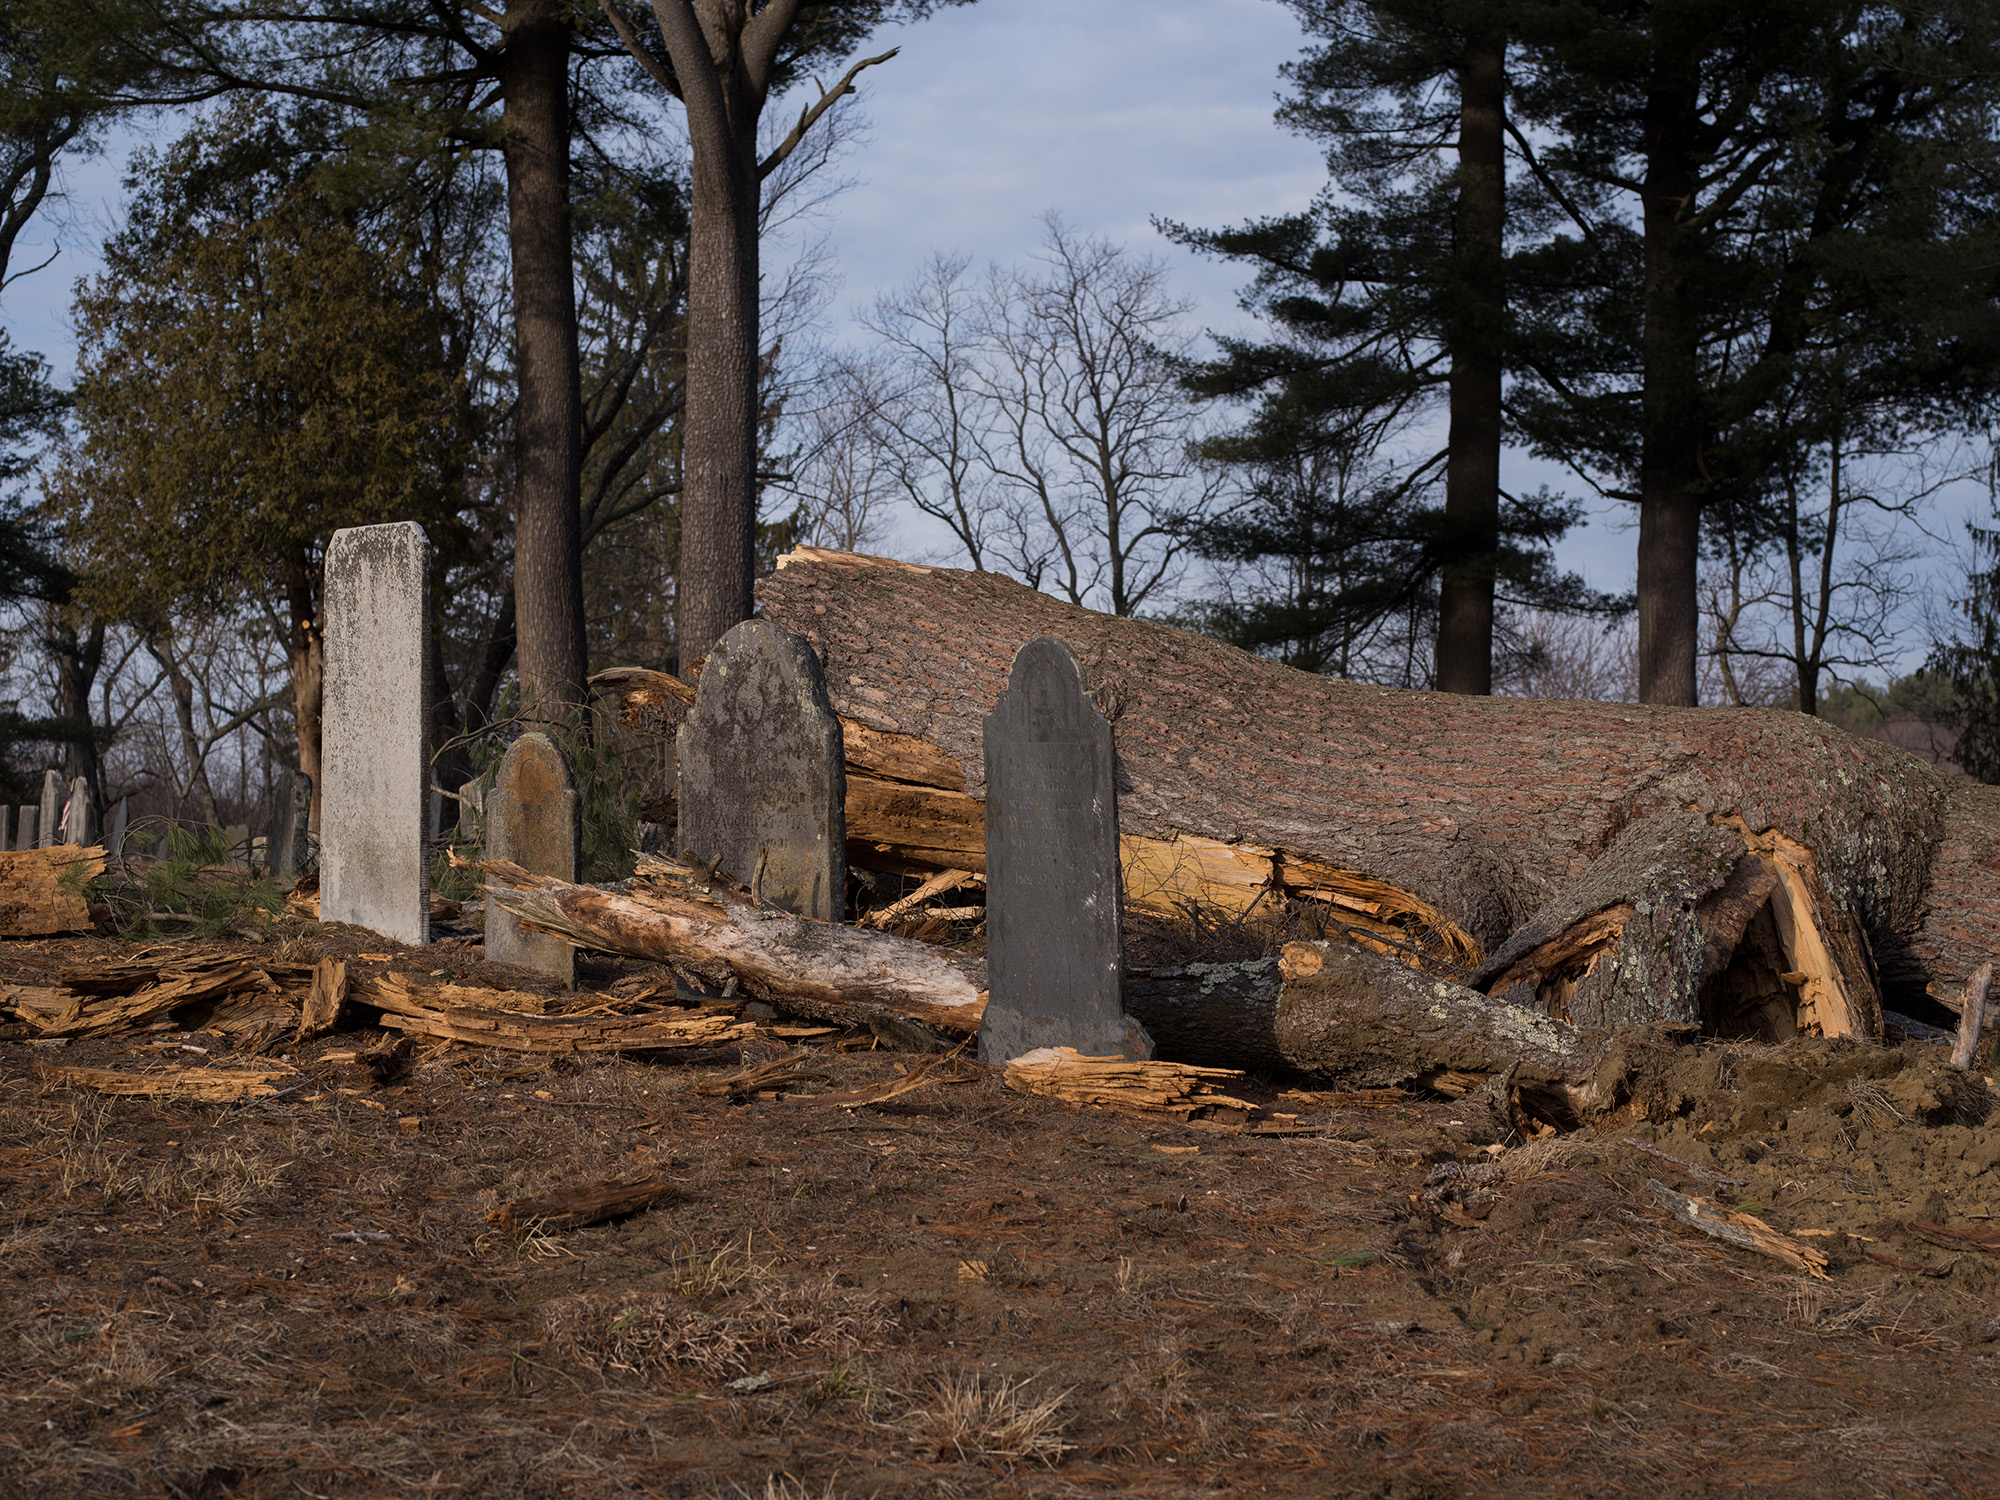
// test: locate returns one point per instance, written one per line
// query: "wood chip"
(325, 1001)
(1175, 1090)
(587, 1203)
(1744, 1231)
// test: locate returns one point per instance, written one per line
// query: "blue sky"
(1110, 112)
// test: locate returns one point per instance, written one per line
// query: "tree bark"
(1457, 819)
(306, 648)
(722, 57)
(548, 546)
(1476, 334)
(1670, 405)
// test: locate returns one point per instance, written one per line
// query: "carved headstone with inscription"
(533, 819)
(762, 790)
(374, 866)
(1054, 956)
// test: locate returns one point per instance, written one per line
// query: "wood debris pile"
(164, 988)
(1175, 1091)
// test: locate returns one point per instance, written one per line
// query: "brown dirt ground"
(968, 1292)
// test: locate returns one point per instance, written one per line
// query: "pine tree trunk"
(548, 547)
(1472, 469)
(1670, 417)
(719, 442)
(1589, 850)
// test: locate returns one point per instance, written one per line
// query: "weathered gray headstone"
(470, 816)
(50, 821)
(121, 820)
(291, 827)
(375, 733)
(1054, 955)
(6, 827)
(533, 817)
(78, 824)
(24, 836)
(762, 791)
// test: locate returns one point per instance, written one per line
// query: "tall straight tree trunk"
(548, 536)
(1670, 480)
(719, 442)
(1472, 468)
(306, 649)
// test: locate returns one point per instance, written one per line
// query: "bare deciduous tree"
(1040, 416)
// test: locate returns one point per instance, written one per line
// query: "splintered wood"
(205, 1085)
(220, 992)
(42, 890)
(1176, 1091)
(1745, 1231)
(486, 1018)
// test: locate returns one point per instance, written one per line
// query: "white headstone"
(375, 735)
(78, 826)
(50, 821)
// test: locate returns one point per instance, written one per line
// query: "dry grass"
(971, 1419)
(658, 1337)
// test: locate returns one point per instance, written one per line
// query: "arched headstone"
(763, 796)
(1054, 953)
(533, 819)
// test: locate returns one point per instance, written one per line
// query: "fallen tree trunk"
(1214, 1014)
(1464, 820)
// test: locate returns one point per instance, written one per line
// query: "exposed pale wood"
(208, 1085)
(894, 826)
(1971, 1015)
(586, 1203)
(813, 969)
(481, 1017)
(42, 890)
(126, 997)
(900, 757)
(938, 885)
(1745, 1231)
(829, 557)
(324, 1001)
(1158, 1089)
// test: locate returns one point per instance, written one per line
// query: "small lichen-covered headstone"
(50, 821)
(374, 869)
(24, 836)
(533, 818)
(78, 826)
(1054, 953)
(763, 796)
(291, 826)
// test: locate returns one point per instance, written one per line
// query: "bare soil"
(969, 1292)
